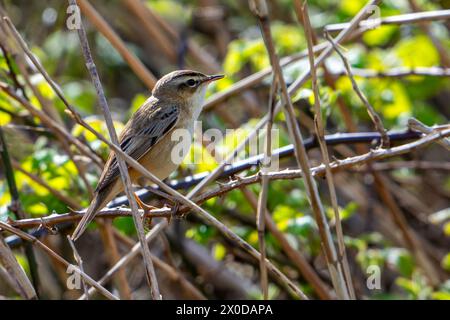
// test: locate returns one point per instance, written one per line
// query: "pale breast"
(164, 157)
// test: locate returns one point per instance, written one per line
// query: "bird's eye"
(191, 83)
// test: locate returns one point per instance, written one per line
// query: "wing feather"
(139, 136)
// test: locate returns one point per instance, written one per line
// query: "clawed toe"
(147, 208)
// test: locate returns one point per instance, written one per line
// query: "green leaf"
(380, 35)
(445, 263)
(417, 51)
(440, 295)
(302, 226)
(219, 251)
(409, 286)
(402, 260)
(125, 225)
(282, 214)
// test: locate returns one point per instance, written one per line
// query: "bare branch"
(396, 20)
(370, 110)
(150, 272)
(415, 124)
(135, 64)
(320, 132)
(79, 261)
(15, 271)
(259, 8)
(58, 258)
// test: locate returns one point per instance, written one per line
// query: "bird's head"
(183, 85)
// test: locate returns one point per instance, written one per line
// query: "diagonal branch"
(320, 132)
(61, 260)
(259, 7)
(370, 110)
(150, 272)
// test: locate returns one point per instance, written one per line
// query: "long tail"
(97, 203)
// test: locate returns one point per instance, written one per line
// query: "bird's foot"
(173, 210)
(147, 217)
(147, 208)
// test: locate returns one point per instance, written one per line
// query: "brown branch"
(203, 57)
(105, 29)
(79, 261)
(51, 124)
(110, 213)
(259, 8)
(57, 257)
(398, 72)
(261, 208)
(425, 26)
(320, 132)
(16, 272)
(370, 110)
(396, 20)
(408, 234)
(139, 9)
(287, 174)
(110, 244)
(16, 208)
(416, 125)
(73, 203)
(48, 120)
(297, 258)
(128, 257)
(150, 271)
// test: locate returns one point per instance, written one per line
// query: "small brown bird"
(176, 103)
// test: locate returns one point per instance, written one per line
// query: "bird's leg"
(146, 207)
(174, 206)
(173, 209)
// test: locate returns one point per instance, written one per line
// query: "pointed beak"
(214, 77)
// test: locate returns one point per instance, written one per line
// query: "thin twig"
(80, 145)
(203, 57)
(79, 261)
(263, 195)
(109, 213)
(16, 207)
(73, 203)
(328, 49)
(416, 125)
(11, 72)
(57, 257)
(16, 272)
(150, 271)
(370, 110)
(408, 234)
(51, 124)
(398, 72)
(135, 64)
(128, 257)
(110, 245)
(297, 258)
(288, 174)
(259, 7)
(139, 9)
(396, 20)
(425, 26)
(320, 132)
